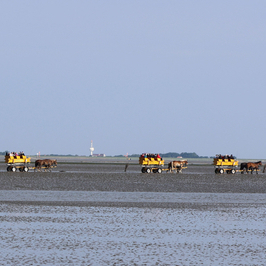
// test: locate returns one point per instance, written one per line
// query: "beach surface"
(98, 214)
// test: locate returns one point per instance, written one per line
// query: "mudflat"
(98, 214)
(112, 177)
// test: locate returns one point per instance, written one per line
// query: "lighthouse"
(91, 148)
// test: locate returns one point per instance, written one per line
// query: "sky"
(133, 76)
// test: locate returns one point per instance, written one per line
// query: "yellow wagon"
(225, 165)
(151, 163)
(17, 162)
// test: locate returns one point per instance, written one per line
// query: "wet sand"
(113, 178)
(98, 214)
(108, 177)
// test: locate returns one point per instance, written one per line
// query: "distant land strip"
(164, 155)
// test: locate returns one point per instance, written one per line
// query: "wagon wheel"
(159, 171)
(13, 169)
(148, 170)
(8, 169)
(221, 171)
(216, 171)
(26, 169)
(233, 171)
(143, 169)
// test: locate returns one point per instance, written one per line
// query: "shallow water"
(65, 235)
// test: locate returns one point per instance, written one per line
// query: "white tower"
(91, 149)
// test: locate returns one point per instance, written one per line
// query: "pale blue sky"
(133, 76)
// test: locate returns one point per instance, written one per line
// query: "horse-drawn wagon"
(225, 164)
(20, 162)
(228, 164)
(153, 163)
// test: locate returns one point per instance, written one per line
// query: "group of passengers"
(20, 154)
(151, 155)
(228, 157)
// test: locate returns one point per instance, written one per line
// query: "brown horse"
(250, 167)
(177, 165)
(38, 165)
(254, 166)
(47, 163)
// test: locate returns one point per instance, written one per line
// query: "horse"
(254, 166)
(38, 165)
(47, 163)
(243, 167)
(250, 166)
(177, 165)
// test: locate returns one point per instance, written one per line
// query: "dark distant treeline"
(66, 155)
(183, 154)
(175, 154)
